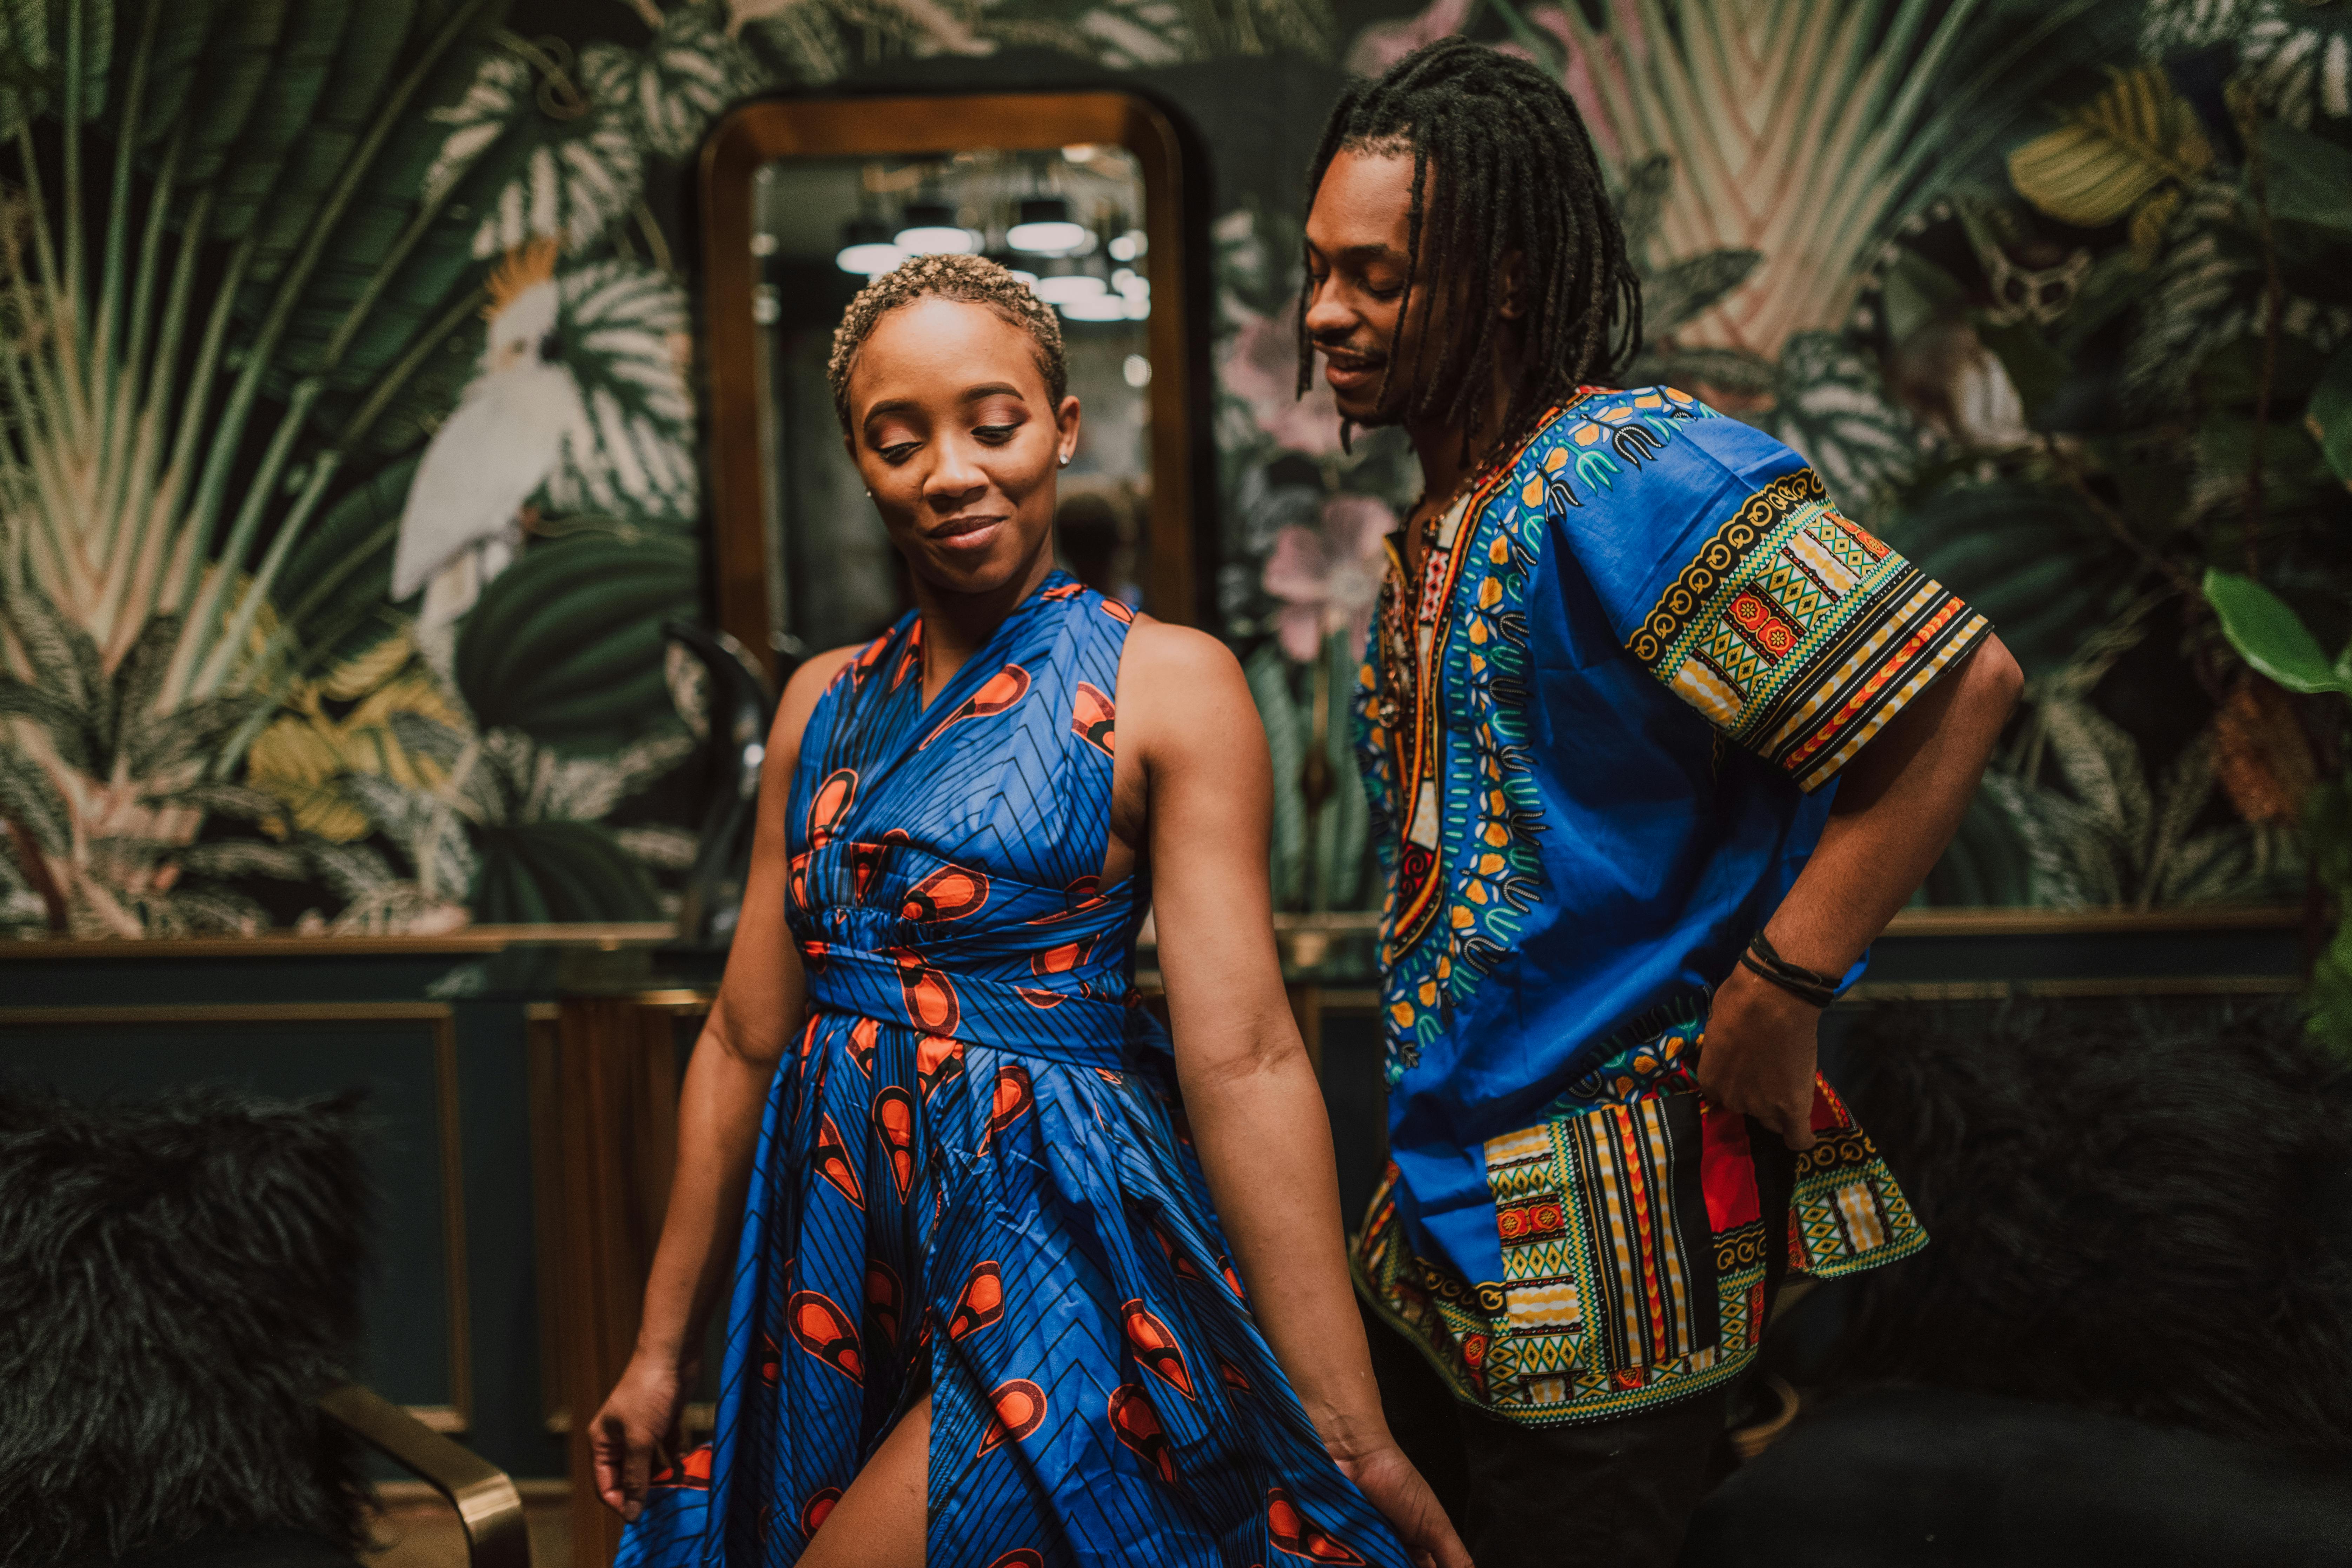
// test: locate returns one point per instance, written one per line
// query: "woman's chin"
(985, 565)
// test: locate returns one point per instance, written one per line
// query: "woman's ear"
(1065, 424)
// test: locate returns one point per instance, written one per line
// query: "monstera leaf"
(1832, 406)
(2026, 558)
(624, 339)
(570, 159)
(2328, 417)
(566, 646)
(537, 872)
(690, 71)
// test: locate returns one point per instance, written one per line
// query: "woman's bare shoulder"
(1169, 656)
(1182, 690)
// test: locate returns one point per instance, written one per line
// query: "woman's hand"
(633, 1431)
(1390, 1483)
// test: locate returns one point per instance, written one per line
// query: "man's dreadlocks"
(1516, 173)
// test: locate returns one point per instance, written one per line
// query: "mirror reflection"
(1069, 220)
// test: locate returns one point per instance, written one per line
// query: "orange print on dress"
(981, 1302)
(830, 805)
(894, 1123)
(1116, 610)
(833, 1162)
(1019, 1407)
(885, 1298)
(932, 1005)
(865, 859)
(1136, 1424)
(1232, 1376)
(1012, 1098)
(820, 1503)
(1091, 717)
(771, 1360)
(796, 881)
(911, 660)
(865, 1039)
(1078, 897)
(999, 693)
(689, 1474)
(1021, 1557)
(948, 894)
(1064, 590)
(1178, 1259)
(825, 1331)
(1300, 1536)
(936, 1059)
(1059, 960)
(1155, 1349)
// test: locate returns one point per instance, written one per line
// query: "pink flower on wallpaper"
(1261, 368)
(1383, 44)
(1328, 577)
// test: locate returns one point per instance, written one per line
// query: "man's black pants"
(1600, 1494)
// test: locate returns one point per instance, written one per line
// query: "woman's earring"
(870, 495)
(1065, 460)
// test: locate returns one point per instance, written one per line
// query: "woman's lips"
(967, 532)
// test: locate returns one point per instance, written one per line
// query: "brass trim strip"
(440, 1418)
(441, 1019)
(2121, 985)
(609, 938)
(1353, 1000)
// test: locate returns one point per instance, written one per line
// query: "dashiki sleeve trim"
(1797, 634)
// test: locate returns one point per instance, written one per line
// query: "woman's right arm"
(761, 1003)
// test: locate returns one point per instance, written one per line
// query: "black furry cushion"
(2142, 1211)
(178, 1281)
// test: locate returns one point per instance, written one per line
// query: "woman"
(983, 1310)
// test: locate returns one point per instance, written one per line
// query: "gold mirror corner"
(802, 199)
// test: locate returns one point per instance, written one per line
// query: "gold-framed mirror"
(803, 198)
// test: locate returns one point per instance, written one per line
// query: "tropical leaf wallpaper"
(349, 462)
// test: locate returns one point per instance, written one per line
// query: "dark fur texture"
(179, 1281)
(2141, 1211)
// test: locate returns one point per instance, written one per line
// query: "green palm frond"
(1805, 130)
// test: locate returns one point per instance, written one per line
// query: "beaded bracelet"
(1810, 986)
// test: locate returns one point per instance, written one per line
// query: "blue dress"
(973, 1177)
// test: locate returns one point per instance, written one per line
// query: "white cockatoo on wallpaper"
(462, 525)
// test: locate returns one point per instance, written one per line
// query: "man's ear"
(1514, 298)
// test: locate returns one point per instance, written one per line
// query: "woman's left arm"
(1256, 1110)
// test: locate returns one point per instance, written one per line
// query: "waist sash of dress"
(1082, 1013)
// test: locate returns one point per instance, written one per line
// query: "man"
(1659, 741)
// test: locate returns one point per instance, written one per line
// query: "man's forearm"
(1899, 803)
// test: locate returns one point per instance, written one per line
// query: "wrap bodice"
(945, 857)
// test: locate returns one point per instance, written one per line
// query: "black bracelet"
(1810, 986)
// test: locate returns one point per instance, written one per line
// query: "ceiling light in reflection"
(1045, 228)
(1138, 371)
(1129, 247)
(931, 230)
(865, 249)
(1103, 307)
(1062, 288)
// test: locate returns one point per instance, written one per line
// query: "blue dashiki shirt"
(1601, 735)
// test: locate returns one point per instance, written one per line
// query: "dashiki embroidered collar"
(1415, 632)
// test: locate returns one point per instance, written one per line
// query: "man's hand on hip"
(1758, 1054)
